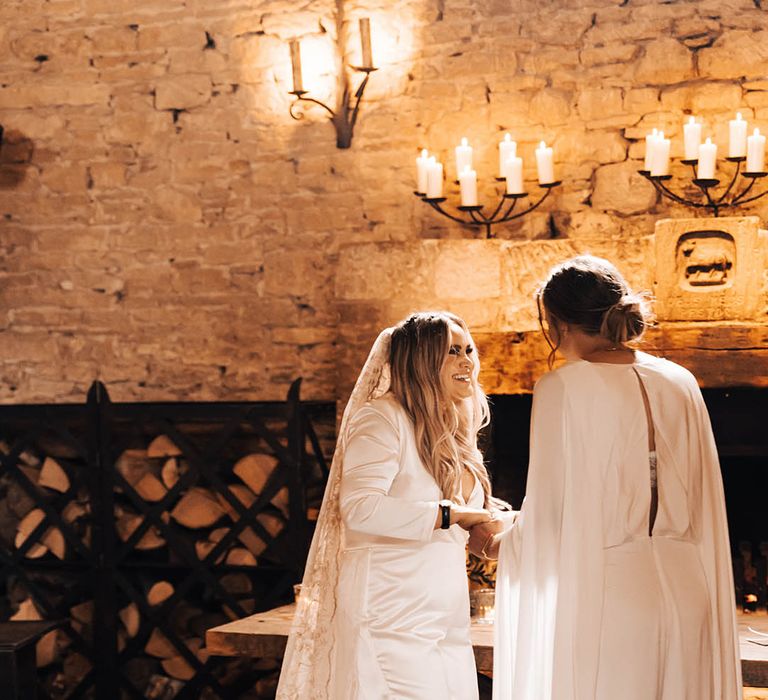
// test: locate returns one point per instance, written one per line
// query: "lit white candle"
(691, 139)
(737, 142)
(660, 159)
(544, 164)
(756, 152)
(507, 149)
(434, 178)
(468, 187)
(421, 171)
(463, 156)
(513, 171)
(650, 148)
(707, 160)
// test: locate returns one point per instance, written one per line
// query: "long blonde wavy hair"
(446, 432)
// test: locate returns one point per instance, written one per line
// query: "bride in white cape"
(616, 580)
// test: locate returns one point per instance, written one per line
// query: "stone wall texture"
(166, 227)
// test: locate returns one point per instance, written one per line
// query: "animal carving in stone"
(706, 259)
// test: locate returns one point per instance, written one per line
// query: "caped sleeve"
(371, 463)
(711, 527)
(528, 574)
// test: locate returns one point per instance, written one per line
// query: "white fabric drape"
(581, 541)
(306, 669)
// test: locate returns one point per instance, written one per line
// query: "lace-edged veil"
(307, 664)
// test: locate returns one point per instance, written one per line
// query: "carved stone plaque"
(708, 269)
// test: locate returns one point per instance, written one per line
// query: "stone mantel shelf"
(720, 354)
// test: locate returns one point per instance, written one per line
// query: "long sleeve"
(527, 579)
(371, 463)
(712, 526)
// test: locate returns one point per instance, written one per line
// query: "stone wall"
(165, 226)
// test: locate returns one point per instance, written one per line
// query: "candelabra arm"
(510, 217)
(436, 206)
(300, 98)
(731, 184)
(739, 198)
(359, 95)
(739, 201)
(663, 190)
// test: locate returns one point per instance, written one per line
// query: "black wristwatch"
(445, 514)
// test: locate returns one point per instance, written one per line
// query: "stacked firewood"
(201, 514)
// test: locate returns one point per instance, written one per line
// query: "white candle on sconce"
(660, 158)
(544, 164)
(468, 187)
(295, 48)
(365, 42)
(422, 163)
(756, 152)
(507, 149)
(737, 141)
(650, 148)
(513, 172)
(434, 178)
(707, 160)
(463, 156)
(691, 139)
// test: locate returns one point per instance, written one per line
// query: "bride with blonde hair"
(384, 610)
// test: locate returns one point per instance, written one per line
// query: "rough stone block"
(619, 188)
(183, 92)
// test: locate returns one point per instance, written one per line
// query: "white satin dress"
(403, 601)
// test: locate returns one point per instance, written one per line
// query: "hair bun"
(625, 320)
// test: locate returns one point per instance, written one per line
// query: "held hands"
(467, 517)
(484, 537)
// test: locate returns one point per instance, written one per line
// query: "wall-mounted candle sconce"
(344, 116)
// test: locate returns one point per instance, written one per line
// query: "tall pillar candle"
(365, 43)
(507, 149)
(650, 148)
(463, 156)
(468, 187)
(422, 163)
(707, 160)
(513, 172)
(691, 139)
(295, 48)
(544, 164)
(737, 141)
(756, 152)
(660, 160)
(434, 179)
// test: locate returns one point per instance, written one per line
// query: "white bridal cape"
(588, 605)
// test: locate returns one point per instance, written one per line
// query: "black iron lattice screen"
(104, 570)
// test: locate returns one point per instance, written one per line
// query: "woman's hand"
(484, 539)
(467, 517)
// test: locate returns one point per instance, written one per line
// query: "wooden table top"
(266, 634)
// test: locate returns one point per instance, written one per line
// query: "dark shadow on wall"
(16, 152)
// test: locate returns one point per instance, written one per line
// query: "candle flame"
(464, 141)
(432, 159)
(655, 132)
(692, 120)
(756, 132)
(708, 141)
(738, 116)
(507, 137)
(424, 153)
(542, 145)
